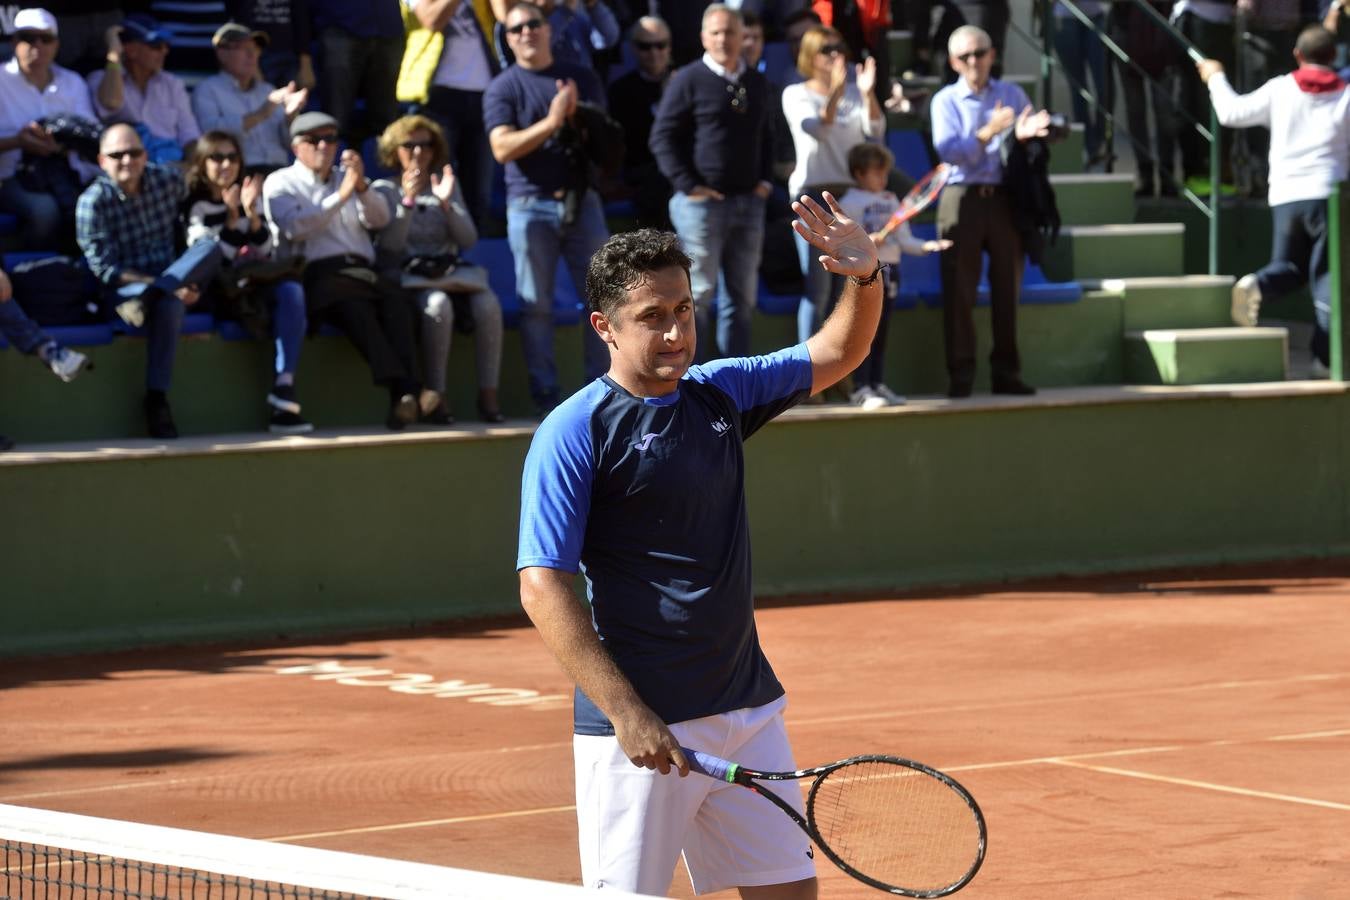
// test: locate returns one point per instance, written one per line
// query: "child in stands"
(871, 205)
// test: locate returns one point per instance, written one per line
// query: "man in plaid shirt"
(126, 223)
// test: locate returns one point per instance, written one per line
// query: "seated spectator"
(431, 227)
(239, 101)
(34, 88)
(326, 214)
(126, 224)
(633, 99)
(286, 23)
(134, 88)
(360, 49)
(225, 206)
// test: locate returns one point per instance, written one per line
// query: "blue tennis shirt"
(646, 498)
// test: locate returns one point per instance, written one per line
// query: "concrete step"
(901, 51)
(1066, 156)
(1116, 251)
(1206, 355)
(1091, 198)
(1173, 301)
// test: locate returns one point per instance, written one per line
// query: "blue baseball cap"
(143, 29)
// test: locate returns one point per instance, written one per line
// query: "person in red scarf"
(1308, 114)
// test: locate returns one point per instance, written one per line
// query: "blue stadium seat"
(919, 275)
(911, 152)
(776, 304)
(1035, 288)
(494, 254)
(81, 335)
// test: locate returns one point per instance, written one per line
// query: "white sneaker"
(867, 398)
(132, 312)
(1246, 301)
(66, 363)
(890, 396)
(1318, 371)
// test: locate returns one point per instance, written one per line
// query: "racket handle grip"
(712, 766)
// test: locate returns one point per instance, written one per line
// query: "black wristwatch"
(870, 279)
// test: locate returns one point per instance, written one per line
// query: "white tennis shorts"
(634, 822)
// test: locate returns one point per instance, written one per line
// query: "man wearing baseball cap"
(34, 87)
(326, 214)
(238, 100)
(133, 86)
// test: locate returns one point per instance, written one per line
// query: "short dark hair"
(1316, 45)
(526, 3)
(624, 261)
(867, 156)
(751, 19)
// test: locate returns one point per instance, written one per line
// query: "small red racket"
(919, 198)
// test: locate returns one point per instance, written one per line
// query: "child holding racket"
(869, 204)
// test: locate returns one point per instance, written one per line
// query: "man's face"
(652, 336)
(652, 46)
(972, 58)
(239, 59)
(122, 156)
(722, 38)
(35, 50)
(317, 149)
(145, 57)
(752, 44)
(528, 36)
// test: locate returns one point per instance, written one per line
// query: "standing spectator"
(580, 29)
(712, 140)
(1308, 114)
(127, 223)
(828, 117)
(360, 48)
(432, 226)
(972, 119)
(871, 205)
(1082, 54)
(455, 98)
(237, 99)
(286, 56)
(1208, 24)
(1153, 50)
(32, 88)
(326, 214)
(224, 206)
(134, 88)
(551, 211)
(633, 99)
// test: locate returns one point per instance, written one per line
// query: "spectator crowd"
(304, 165)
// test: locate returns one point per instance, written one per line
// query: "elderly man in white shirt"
(33, 87)
(325, 214)
(134, 88)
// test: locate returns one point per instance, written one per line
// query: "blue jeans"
(164, 312)
(1082, 53)
(724, 239)
(22, 332)
(1298, 256)
(288, 325)
(538, 238)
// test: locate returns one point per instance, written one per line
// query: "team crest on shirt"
(721, 425)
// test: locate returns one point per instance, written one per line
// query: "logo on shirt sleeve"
(721, 425)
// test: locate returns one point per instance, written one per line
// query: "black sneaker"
(282, 397)
(283, 422)
(158, 417)
(1012, 385)
(402, 413)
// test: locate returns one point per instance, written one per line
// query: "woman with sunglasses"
(827, 116)
(223, 205)
(431, 226)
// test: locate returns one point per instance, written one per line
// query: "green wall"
(259, 541)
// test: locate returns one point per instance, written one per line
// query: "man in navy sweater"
(711, 139)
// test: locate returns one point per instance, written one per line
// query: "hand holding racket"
(891, 823)
(919, 198)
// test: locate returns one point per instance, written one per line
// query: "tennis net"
(60, 856)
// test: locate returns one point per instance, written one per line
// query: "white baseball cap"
(35, 20)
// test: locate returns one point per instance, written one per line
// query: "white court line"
(429, 823)
(1204, 785)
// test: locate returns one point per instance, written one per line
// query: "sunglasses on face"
(648, 46)
(412, 146)
(834, 49)
(223, 157)
(316, 139)
(531, 24)
(973, 55)
(119, 155)
(34, 37)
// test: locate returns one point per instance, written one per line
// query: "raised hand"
(846, 248)
(866, 73)
(295, 100)
(564, 103)
(937, 246)
(1000, 118)
(250, 193)
(230, 196)
(838, 72)
(1032, 124)
(413, 181)
(443, 186)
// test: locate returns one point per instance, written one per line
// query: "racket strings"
(897, 825)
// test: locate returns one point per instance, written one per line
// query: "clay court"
(1174, 735)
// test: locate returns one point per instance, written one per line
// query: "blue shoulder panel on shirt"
(753, 381)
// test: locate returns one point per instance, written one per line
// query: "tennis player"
(638, 482)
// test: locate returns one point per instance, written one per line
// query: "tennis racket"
(891, 823)
(919, 198)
